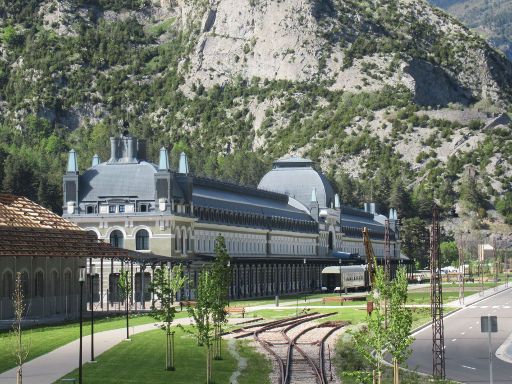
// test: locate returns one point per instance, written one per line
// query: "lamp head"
(81, 273)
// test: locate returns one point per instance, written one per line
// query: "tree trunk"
(396, 371)
(208, 364)
(19, 375)
(172, 351)
(374, 381)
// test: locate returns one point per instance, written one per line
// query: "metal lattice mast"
(387, 270)
(436, 299)
(387, 252)
(462, 270)
(370, 257)
(496, 263)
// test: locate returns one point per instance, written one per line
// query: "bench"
(240, 310)
(187, 303)
(332, 299)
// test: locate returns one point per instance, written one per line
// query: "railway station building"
(280, 236)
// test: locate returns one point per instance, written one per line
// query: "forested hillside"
(491, 18)
(394, 100)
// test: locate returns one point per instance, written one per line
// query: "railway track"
(299, 353)
(248, 330)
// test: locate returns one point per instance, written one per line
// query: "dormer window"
(111, 209)
(143, 208)
(89, 209)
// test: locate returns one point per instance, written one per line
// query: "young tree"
(400, 322)
(166, 284)
(371, 341)
(20, 349)
(378, 338)
(125, 285)
(203, 313)
(221, 274)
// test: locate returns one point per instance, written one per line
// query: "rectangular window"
(121, 209)
(111, 209)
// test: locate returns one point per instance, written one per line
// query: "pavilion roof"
(27, 229)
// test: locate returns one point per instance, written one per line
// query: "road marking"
(463, 333)
(465, 366)
(484, 306)
(454, 339)
(471, 327)
(496, 306)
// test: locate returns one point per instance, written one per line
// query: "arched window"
(68, 288)
(25, 283)
(7, 285)
(39, 284)
(142, 240)
(331, 245)
(116, 239)
(55, 284)
(184, 241)
(177, 241)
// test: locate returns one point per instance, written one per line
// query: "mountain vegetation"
(396, 101)
(490, 18)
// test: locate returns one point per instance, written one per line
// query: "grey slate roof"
(118, 180)
(212, 197)
(296, 178)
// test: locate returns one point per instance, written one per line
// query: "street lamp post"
(339, 262)
(81, 279)
(304, 283)
(230, 285)
(92, 272)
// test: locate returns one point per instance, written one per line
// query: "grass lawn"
(271, 300)
(45, 339)
(143, 361)
(424, 297)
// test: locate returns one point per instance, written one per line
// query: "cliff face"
(379, 90)
(346, 42)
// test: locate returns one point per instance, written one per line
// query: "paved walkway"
(47, 369)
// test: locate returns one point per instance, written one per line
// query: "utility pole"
(436, 299)
(387, 269)
(496, 264)
(387, 252)
(462, 270)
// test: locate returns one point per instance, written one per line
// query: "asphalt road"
(466, 348)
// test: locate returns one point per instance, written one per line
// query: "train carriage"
(352, 277)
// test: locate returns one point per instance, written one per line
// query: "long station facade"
(280, 235)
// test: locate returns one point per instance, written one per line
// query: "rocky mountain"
(398, 102)
(492, 19)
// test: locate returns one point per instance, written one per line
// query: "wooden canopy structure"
(29, 230)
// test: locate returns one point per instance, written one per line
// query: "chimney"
(183, 168)
(96, 160)
(163, 163)
(141, 150)
(72, 162)
(114, 143)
